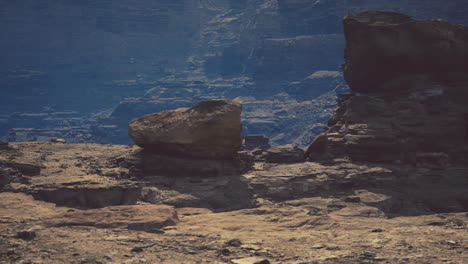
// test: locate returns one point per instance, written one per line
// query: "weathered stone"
(23, 165)
(285, 154)
(411, 80)
(88, 196)
(432, 160)
(317, 147)
(58, 140)
(256, 141)
(251, 260)
(134, 217)
(381, 46)
(3, 145)
(209, 129)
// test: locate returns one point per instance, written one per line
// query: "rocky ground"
(308, 212)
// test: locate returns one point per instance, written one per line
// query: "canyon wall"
(107, 62)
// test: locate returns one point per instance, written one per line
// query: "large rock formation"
(400, 46)
(412, 105)
(209, 129)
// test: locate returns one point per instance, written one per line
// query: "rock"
(252, 142)
(4, 145)
(285, 154)
(251, 260)
(151, 163)
(26, 235)
(415, 100)
(317, 147)
(432, 160)
(353, 199)
(134, 217)
(140, 249)
(209, 129)
(23, 165)
(234, 243)
(381, 46)
(58, 140)
(88, 196)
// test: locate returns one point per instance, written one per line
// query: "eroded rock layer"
(410, 92)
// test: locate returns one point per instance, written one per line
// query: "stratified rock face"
(209, 129)
(381, 46)
(413, 80)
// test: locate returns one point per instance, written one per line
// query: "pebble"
(234, 243)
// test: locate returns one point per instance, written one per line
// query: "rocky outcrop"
(401, 47)
(209, 129)
(136, 217)
(408, 109)
(283, 154)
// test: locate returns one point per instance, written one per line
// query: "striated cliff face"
(122, 59)
(409, 92)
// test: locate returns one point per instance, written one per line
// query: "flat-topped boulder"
(381, 46)
(209, 129)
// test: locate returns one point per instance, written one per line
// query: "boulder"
(134, 217)
(209, 129)
(383, 45)
(252, 142)
(317, 147)
(284, 154)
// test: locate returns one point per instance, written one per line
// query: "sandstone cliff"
(409, 92)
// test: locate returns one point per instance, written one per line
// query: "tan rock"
(210, 129)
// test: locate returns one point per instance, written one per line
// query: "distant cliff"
(89, 56)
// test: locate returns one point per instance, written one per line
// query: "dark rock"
(317, 147)
(209, 129)
(88, 196)
(381, 46)
(234, 243)
(23, 165)
(352, 199)
(285, 154)
(409, 107)
(432, 160)
(256, 141)
(4, 145)
(224, 252)
(26, 235)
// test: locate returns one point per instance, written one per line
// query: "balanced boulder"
(209, 129)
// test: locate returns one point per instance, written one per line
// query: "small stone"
(353, 199)
(318, 246)
(251, 260)
(377, 230)
(58, 140)
(223, 251)
(137, 249)
(234, 243)
(26, 235)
